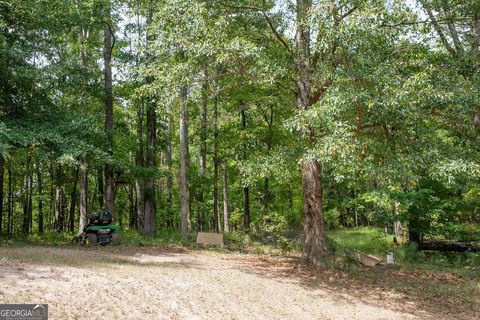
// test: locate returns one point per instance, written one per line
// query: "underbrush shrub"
(339, 256)
(332, 219)
(410, 253)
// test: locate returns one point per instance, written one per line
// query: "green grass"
(368, 240)
(374, 241)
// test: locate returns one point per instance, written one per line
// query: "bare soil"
(130, 282)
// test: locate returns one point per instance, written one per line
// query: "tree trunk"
(51, 202)
(10, 199)
(132, 212)
(315, 245)
(449, 246)
(184, 194)
(83, 35)
(27, 199)
(314, 248)
(101, 192)
(59, 201)
(226, 226)
(216, 221)
(149, 223)
(203, 151)
(139, 161)
(40, 199)
(397, 224)
(266, 182)
(2, 173)
(107, 57)
(169, 170)
(82, 221)
(73, 201)
(414, 236)
(246, 191)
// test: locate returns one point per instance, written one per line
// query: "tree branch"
(112, 34)
(320, 91)
(242, 7)
(452, 28)
(275, 32)
(346, 14)
(439, 30)
(269, 21)
(412, 23)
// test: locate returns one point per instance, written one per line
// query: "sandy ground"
(159, 283)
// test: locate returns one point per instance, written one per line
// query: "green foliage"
(393, 131)
(332, 219)
(367, 240)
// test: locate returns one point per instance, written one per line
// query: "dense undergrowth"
(342, 244)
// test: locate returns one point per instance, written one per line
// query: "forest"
(272, 121)
(263, 117)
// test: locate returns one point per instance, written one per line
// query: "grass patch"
(368, 240)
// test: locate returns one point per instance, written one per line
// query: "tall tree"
(203, 148)
(226, 225)
(59, 217)
(216, 219)
(73, 201)
(140, 163)
(107, 58)
(149, 221)
(184, 163)
(40, 198)
(169, 181)
(246, 189)
(2, 174)
(10, 199)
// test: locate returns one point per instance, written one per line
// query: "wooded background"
(277, 118)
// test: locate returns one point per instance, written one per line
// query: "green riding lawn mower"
(99, 231)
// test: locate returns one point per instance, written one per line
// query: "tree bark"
(139, 162)
(83, 35)
(246, 191)
(169, 170)
(27, 198)
(59, 201)
(107, 57)
(40, 199)
(448, 246)
(451, 27)
(82, 220)
(10, 199)
(314, 243)
(203, 151)
(132, 209)
(2, 174)
(397, 224)
(268, 117)
(226, 225)
(149, 223)
(100, 189)
(438, 28)
(184, 166)
(216, 219)
(73, 201)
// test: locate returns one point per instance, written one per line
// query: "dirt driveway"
(161, 283)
